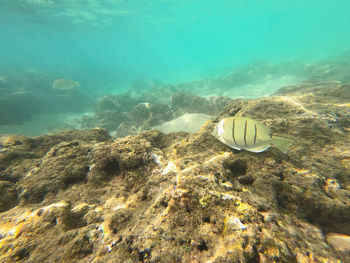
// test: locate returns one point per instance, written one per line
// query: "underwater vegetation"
(84, 196)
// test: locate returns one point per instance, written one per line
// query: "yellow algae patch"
(304, 172)
(332, 183)
(310, 258)
(181, 191)
(301, 171)
(219, 250)
(303, 257)
(98, 209)
(205, 200)
(343, 105)
(227, 185)
(272, 252)
(8, 234)
(27, 221)
(81, 207)
(27, 225)
(242, 208)
(115, 203)
(7, 141)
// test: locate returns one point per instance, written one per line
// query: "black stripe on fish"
(233, 132)
(256, 133)
(245, 133)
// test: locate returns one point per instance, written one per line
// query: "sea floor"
(85, 196)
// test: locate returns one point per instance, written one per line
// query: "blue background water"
(109, 45)
(105, 43)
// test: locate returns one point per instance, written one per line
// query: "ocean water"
(111, 47)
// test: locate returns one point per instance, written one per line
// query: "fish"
(248, 134)
(65, 84)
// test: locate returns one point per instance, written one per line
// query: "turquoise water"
(111, 46)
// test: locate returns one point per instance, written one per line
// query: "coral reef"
(81, 196)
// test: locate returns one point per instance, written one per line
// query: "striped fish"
(65, 84)
(248, 134)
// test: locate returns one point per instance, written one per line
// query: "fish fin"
(236, 148)
(280, 143)
(259, 149)
(229, 144)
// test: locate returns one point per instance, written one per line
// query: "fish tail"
(280, 143)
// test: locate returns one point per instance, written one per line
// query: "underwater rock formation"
(80, 196)
(142, 117)
(133, 111)
(260, 78)
(110, 111)
(184, 102)
(125, 115)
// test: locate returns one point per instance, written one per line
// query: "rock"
(142, 117)
(160, 113)
(179, 197)
(118, 219)
(339, 242)
(127, 114)
(28, 151)
(140, 112)
(8, 196)
(110, 111)
(159, 93)
(189, 103)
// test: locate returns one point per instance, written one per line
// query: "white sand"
(189, 122)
